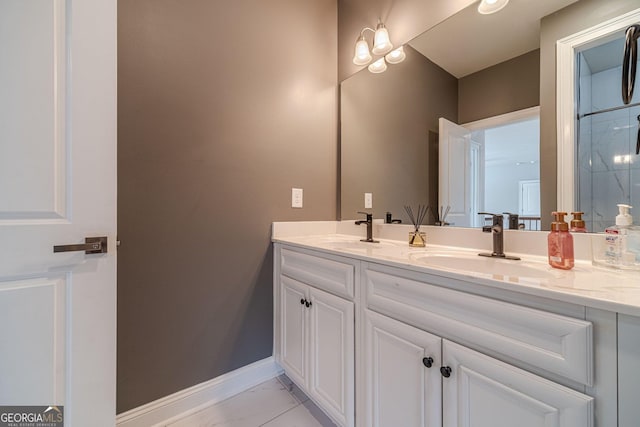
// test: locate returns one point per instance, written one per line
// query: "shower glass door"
(608, 170)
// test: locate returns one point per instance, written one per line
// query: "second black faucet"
(369, 222)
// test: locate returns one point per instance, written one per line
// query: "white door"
(461, 169)
(293, 351)
(58, 186)
(403, 385)
(331, 354)
(482, 391)
(529, 197)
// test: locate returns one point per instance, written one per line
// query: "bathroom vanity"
(387, 335)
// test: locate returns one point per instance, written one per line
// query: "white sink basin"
(482, 265)
(359, 246)
(353, 244)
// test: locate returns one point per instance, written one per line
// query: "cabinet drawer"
(321, 272)
(554, 343)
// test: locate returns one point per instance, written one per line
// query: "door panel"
(331, 354)
(483, 391)
(57, 186)
(31, 370)
(33, 171)
(400, 389)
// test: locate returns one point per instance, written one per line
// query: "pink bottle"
(560, 243)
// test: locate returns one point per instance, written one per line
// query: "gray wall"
(570, 20)
(385, 122)
(404, 19)
(509, 86)
(222, 108)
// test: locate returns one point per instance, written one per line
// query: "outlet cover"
(368, 200)
(296, 197)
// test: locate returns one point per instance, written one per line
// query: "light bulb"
(361, 55)
(491, 6)
(396, 56)
(381, 42)
(378, 66)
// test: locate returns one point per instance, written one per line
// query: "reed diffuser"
(417, 238)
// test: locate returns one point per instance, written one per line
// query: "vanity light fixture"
(381, 46)
(487, 7)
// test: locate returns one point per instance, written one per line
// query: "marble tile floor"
(274, 403)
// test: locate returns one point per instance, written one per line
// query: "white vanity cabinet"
(477, 389)
(413, 378)
(316, 329)
(418, 349)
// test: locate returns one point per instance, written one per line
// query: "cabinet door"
(400, 389)
(293, 322)
(331, 351)
(482, 391)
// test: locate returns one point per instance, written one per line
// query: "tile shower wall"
(609, 170)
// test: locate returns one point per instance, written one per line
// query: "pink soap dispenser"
(560, 243)
(577, 223)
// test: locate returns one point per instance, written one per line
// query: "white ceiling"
(469, 42)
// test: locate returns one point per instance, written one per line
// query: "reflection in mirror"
(597, 164)
(389, 135)
(476, 158)
(468, 68)
(607, 136)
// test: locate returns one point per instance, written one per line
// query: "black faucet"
(369, 222)
(390, 220)
(513, 221)
(498, 237)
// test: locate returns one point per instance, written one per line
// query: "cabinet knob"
(427, 361)
(445, 371)
(302, 301)
(307, 303)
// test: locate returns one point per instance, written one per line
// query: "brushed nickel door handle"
(91, 245)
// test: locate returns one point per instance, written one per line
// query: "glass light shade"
(381, 43)
(378, 66)
(362, 55)
(491, 6)
(396, 56)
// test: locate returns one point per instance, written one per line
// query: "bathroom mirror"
(467, 69)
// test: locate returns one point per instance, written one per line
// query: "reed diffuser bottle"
(560, 243)
(417, 238)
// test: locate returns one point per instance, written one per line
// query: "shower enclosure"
(607, 167)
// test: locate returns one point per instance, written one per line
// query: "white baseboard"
(193, 399)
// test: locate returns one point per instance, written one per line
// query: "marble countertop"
(587, 285)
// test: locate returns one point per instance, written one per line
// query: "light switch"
(368, 200)
(296, 197)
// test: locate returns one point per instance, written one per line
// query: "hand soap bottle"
(560, 243)
(618, 251)
(577, 223)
